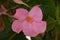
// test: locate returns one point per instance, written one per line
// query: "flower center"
(29, 19)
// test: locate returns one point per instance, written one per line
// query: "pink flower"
(29, 22)
(2, 10)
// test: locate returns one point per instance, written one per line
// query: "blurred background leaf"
(7, 32)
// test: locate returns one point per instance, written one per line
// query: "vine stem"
(57, 13)
(15, 7)
(26, 4)
(56, 35)
(10, 16)
(23, 4)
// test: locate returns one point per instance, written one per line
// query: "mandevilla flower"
(29, 22)
(2, 10)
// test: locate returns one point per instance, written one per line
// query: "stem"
(10, 38)
(57, 13)
(15, 7)
(10, 16)
(18, 5)
(26, 4)
(56, 36)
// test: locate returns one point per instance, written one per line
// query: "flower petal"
(21, 14)
(36, 13)
(39, 27)
(16, 26)
(28, 29)
(18, 1)
(2, 10)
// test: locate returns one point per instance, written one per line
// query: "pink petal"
(28, 29)
(16, 26)
(36, 13)
(0, 14)
(18, 1)
(39, 27)
(2, 10)
(21, 14)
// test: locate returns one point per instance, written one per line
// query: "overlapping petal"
(28, 29)
(21, 14)
(16, 26)
(39, 27)
(36, 13)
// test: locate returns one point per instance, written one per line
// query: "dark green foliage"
(51, 14)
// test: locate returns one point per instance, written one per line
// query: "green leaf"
(48, 8)
(19, 36)
(39, 37)
(49, 35)
(50, 24)
(7, 32)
